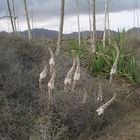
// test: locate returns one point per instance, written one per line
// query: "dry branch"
(114, 67)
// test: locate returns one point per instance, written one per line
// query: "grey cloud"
(46, 9)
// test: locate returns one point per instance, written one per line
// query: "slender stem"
(14, 15)
(90, 22)
(10, 13)
(59, 41)
(105, 25)
(78, 19)
(108, 20)
(28, 19)
(94, 27)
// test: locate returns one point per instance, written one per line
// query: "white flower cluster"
(100, 93)
(101, 109)
(68, 78)
(52, 72)
(51, 82)
(43, 74)
(71, 74)
(51, 62)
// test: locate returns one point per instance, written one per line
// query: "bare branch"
(114, 67)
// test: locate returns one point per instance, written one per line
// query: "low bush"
(24, 112)
(101, 63)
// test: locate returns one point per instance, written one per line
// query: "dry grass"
(23, 110)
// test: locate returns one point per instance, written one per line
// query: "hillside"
(24, 114)
(131, 34)
(52, 34)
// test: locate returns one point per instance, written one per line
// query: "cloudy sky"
(45, 14)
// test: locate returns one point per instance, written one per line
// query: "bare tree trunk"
(28, 19)
(94, 27)
(78, 19)
(137, 16)
(134, 17)
(59, 41)
(105, 25)
(14, 15)
(11, 17)
(17, 23)
(108, 22)
(90, 22)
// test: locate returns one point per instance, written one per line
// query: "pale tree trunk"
(32, 20)
(137, 15)
(17, 23)
(90, 22)
(76, 76)
(11, 17)
(138, 23)
(32, 23)
(14, 15)
(105, 25)
(108, 22)
(78, 19)
(59, 41)
(94, 27)
(134, 17)
(28, 20)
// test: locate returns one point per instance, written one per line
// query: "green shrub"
(101, 63)
(121, 38)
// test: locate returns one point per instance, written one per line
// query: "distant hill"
(41, 33)
(52, 34)
(132, 34)
(3, 33)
